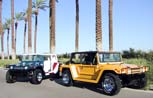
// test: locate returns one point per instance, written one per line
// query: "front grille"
(18, 68)
(135, 70)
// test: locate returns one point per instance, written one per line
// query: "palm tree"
(12, 29)
(52, 25)
(25, 29)
(2, 40)
(98, 26)
(18, 17)
(39, 4)
(77, 27)
(110, 26)
(29, 26)
(1, 28)
(8, 24)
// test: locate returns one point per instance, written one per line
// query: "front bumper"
(21, 72)
(130, 79)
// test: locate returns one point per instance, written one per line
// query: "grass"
(63, 60)
(3, 63)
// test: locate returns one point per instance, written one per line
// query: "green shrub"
(3, 63)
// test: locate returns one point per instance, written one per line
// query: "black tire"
(67, 78)
(140, 83)
(111, 84)
(37, 77)
(9, 77)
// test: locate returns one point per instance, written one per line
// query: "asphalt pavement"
(54, 89)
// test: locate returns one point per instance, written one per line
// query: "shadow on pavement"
(93, 87)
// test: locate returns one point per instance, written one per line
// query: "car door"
(47, 65)
(88, 68)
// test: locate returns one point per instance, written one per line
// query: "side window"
(46, 58)
(95, 60)
(76, 59)
(89, 59)
(86, 59)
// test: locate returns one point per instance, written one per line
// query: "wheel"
(37, 77)
(9, 77)
(67, 78)
(140, 83)
(111, 84)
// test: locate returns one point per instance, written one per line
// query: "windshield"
(32, 58)
(109, 57)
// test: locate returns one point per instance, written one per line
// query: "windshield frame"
(32, 58)
(103, 55)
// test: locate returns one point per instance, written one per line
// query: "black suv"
(34, 67)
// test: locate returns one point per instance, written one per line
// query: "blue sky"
(132, 25)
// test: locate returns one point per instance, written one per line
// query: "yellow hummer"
(104, 68)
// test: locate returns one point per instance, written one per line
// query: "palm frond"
(40, 4)
(8, 23)
(19, 16)
(4, 26)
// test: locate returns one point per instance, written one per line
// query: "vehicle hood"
(130, 66)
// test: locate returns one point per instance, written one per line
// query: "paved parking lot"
(54, 89)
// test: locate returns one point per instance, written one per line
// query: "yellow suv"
(104, 68)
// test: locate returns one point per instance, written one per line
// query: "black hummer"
(34, 67)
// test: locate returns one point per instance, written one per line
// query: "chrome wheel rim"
(108, 84)
(65, 78)
(39, 77)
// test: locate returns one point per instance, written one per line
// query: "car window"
(109, 57)
(89, 59)
(76, 59)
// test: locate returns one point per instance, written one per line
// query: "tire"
(67, 78)
(9, 77)
(37, 77)
(111, 84)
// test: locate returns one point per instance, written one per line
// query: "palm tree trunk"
(110, 25)
(1, 28)
(35, 36)
(25, 28)
(2, 45)
(8, 55)
(98, 26)
(29, 26)
(77, 27)
(16, 26)
(52, 26)
(12, 27)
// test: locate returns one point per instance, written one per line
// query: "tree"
(12, 29)
(77, 27)
(39, 4)
(110, 25)
(98, 26)
(25, 29)
(18, 17)
(8, 24)
(2, 40)
(1, 28)
(52, 25)
(29, 26)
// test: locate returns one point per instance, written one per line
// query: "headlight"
(11, 67)
(24, 64)
(25, 67)
(126, 71)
